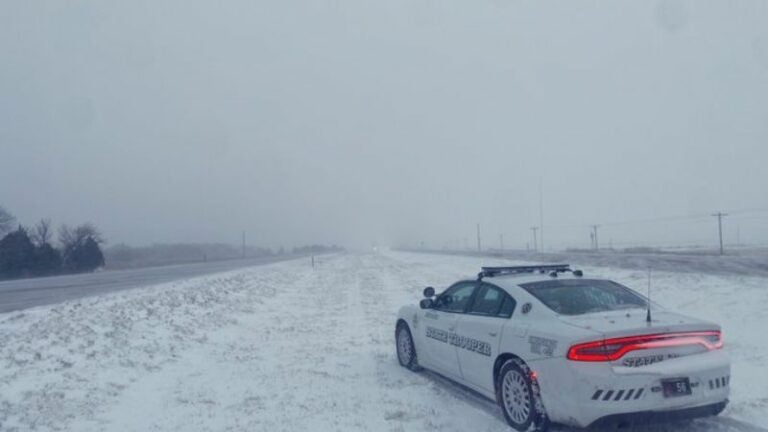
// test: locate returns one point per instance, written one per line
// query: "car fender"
(409, 314)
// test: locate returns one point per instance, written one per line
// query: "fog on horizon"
(394, 122)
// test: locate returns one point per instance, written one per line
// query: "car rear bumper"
(581, 393)
(615, 421)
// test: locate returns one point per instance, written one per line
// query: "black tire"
(406, 350)
(518, 397)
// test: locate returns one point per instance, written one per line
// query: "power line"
(691, 220)
(750, 210)
(689, 217)
(659, 219)
(748, 218)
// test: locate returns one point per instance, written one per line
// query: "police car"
(553, 346)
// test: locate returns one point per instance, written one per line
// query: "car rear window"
(582, 296)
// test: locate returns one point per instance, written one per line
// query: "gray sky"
(354, 121)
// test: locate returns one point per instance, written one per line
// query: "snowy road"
(284, 347)
(24, 293)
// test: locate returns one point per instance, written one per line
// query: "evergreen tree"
(86, 256)
(17, 254)
(47, 260)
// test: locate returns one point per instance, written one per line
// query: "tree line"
(26, 252)
(30, 252)
(122, 256)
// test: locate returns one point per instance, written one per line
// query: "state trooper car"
(550, 345)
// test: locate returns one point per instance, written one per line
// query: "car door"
(479, 333)
(440, 326)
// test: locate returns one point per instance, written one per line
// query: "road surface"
(25, 293)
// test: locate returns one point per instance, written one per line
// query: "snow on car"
(550, 345)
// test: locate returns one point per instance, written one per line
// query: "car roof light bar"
(501, 271)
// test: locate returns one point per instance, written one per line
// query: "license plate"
(676, 387)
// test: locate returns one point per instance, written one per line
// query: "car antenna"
(648, 315)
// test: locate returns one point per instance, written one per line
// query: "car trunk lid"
(628, 340)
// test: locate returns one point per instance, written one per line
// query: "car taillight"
(615, 348)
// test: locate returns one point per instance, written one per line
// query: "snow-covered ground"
(285, 347)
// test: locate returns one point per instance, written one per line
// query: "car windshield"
(583, 296)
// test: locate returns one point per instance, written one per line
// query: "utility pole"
(719, 216)
(541, 211)
(243, 250)
(501, 242)
(478, 238)
(594, 230)
(535, 242)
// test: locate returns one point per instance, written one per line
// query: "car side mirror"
(429, 292)
(427, 303)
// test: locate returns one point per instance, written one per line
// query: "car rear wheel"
(518, 398)
(406, 350)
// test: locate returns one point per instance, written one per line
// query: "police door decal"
(463, 342)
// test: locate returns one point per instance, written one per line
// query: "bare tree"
(7, 221)
(89, 230)
(73, 237)
(67, 237)
(42, 232)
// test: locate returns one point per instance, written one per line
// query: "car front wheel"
(406, 351)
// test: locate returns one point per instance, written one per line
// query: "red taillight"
(615, 348)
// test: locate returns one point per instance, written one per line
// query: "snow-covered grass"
(285, 347)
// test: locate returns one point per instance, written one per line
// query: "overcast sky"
(351, 121)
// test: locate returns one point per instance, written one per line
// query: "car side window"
(492, 301)
(488, 301)
(507, 307)
(455, 298)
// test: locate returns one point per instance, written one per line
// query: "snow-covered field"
(285, 347)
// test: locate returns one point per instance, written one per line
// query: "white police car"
(550, 345)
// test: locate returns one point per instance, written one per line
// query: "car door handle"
(492, 334)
